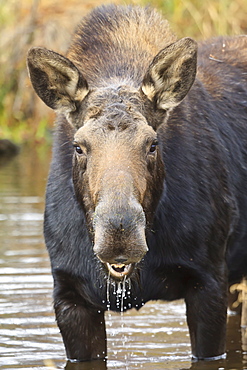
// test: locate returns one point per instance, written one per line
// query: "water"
(156, 337)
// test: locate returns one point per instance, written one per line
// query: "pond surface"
(156, 337)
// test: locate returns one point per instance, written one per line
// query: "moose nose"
(121, 259)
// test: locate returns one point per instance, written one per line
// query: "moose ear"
(56, 80)
(171, 74)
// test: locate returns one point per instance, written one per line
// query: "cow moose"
(148, 180)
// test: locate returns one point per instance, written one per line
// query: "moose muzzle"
(119, 238)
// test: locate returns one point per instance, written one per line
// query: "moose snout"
(119, 235)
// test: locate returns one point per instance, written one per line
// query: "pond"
(156, 337)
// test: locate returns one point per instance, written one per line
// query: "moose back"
(148, 181)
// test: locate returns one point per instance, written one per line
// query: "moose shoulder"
(149, 174)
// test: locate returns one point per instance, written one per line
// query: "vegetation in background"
(204, 19)
(50, 23)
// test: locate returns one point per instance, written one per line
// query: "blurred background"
(50, 23)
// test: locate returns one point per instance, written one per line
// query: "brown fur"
(128, 45)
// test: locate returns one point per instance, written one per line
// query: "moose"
(148, 180)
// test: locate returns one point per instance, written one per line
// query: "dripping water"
(108, 302)
(121, 290)
(123, 294)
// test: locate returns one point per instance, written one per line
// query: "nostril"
(120, 259)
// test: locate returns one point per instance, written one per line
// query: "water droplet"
(108, 305)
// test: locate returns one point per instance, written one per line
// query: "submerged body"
(154, 190)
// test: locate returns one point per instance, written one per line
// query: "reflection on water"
(156, 337)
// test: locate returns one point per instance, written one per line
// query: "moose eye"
(78, 149)
(153, 146)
